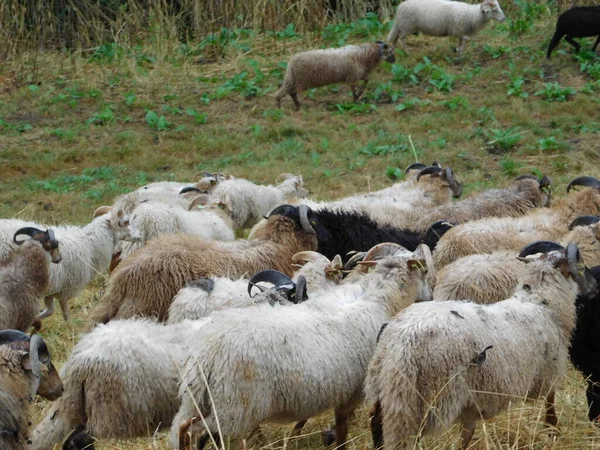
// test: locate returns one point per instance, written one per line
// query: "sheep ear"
(485, 8)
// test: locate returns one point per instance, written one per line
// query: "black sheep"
(585, 347)
(341, 232)
(581, 21)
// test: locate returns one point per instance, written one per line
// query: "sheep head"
(282, 284)
(34, 356)
(304, 220)
(120, 223)
(386, 52)
(447, 177)
(45, 238)
(491, 10)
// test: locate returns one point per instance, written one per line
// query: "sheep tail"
(553, 43)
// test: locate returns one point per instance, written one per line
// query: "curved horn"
(187, 189)
(382, 250)
(584, 181)
(415, 166)
(27, 231)
(272, 276)
(381, 331)
(7, 336)
(303, 211)
(201, 175)
(429, 171)
(355, 259)
(35, 345)
(572, 260)
(539, 247)
(455, 186)
(436, 164)
(584, 221)
(50, 234)
(300, 295)
(545, 183)
(101, 211)
(309, 256)
(284, 210)
(425, 251)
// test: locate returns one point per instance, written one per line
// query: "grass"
(79, 128)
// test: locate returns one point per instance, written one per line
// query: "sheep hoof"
(328, 437)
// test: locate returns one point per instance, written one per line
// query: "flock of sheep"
(403, 298)
(353, 64)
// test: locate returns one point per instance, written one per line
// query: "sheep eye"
(126, 223)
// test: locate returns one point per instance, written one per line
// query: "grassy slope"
(58, 165)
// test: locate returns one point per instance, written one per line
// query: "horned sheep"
(337, 329)
(25, 277)
(419, 384)
(146, 282)
(315, 68)
(443, 18)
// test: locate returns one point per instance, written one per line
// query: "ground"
(79, 128)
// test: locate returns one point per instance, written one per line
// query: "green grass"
(94, 124)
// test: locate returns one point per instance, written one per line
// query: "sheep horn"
(381, 331)
(573, 259)
(303, 211)
(201, 175)
(51, 236)
(584, 181)
(272, 276)
(309, 256)
(355, 259)
(283, 210)
(35, 344)
(436, 164)
(187, 189)
(101, 211)
(540, 247)
(7, 336)
(300, 294)
(423, 249)
(545, 183)
(429, 171)
(455, 186)
(27, 231)
(382, 250)
(584, 221)
(415, 166)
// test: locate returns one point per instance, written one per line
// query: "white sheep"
(86, 252)
(430, 369)
(315, 68)
(317, 351)
(443, 18)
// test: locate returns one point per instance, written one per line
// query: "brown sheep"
(146, 282)
(349, 64)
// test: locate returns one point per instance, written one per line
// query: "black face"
(293, 213)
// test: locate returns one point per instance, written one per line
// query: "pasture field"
(78, 128)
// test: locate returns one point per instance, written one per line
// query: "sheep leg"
(596, 44)
(361, 88)
(298, 428)
(462, 41)
(342, 419)
(185, 436)
(376, 425)
(403, 44)
(49, 302)
(353, 88)
(468, 428)
(294, 96)
(203, 440)
(551, 418)
(574, 43)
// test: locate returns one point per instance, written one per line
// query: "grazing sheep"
(443, 18)
(20, 372)
(430, 368)
(86, 252)
(317, 351)
(247, 202)
(145, 283)
(492, 234)
(582, 21)
(315, 68)
(25, 277)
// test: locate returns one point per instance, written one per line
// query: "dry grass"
(74, 134)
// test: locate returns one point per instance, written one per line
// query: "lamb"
(247, 202)
(420, 385)
(145, 283)
(350, 64)
(86, 252)
(201, 297)
(20, 372)
(492, 234)
(318, 350)
(25, 277)
(443, 18)
(582, 21)
(104, 397)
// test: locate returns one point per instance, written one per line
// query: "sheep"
(525, 194)
(349, 64)
(582, 21)
(443, 18)
(489, 278)
(146, 282)
(104, 397)
(25, 277)
(86, 252)
(199, 298)
(419, 384)
(491, 234)
(20, 372)
(318, 351)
